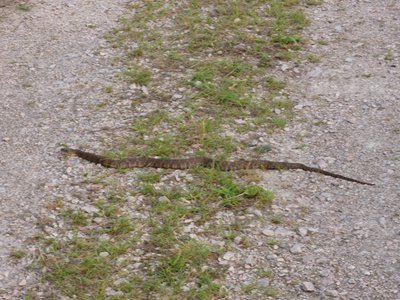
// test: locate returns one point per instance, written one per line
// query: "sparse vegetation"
(213, 79)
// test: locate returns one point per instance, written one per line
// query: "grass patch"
(274, 84)
(17, 254)
(144, 241)
(138, 75)
(24, 7)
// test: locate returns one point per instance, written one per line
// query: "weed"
(312, 58)
(265, 273)
(276, 219)
(77, 218)
(271, 292)
(24, 7)
(17, 254)
(120, 226)
(150, 177)
(274, 84)
(389, 55)
(138, 75)
(272, 242)
(108, 89)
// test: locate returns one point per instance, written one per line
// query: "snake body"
(187, 163)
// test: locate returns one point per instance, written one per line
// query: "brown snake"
(186, 163)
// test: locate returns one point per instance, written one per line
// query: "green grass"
(138, 75)
(17, 254)
(276, 219)
(108, 89)
(274, 84)
(24, 7)
(76, 218)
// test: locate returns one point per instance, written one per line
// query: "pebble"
(163, 199)
(268, 232)
(308, 286)
(177, 96)
(22, 282)
(228, 255)
(104, 254)
(145, 90)
(338, 28)
(255, 211)
(111, 292)
(263, 282)
(90, 209)
(382, 221)
(283, 232)
(253, 143)
(296, 249)
(332, 293)
(315, 73)
(303, 231)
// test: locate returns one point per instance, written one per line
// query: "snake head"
(68, 151)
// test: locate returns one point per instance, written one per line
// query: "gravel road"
(53, 70)
(54, 64)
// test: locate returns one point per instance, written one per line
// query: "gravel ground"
(345, 242)
(53, 68)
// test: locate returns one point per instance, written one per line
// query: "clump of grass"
(77, 218)
(17, 254)
(120, 226)
(279, 122)
(274, 84)
(264, 61)
(108, 89)
(312, 58)
(24, 7)
(277, 219)
(389, 55)
(138, 75)
(146, 125)
(150, 177)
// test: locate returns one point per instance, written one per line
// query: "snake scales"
(186, 163)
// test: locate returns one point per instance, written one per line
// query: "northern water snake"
(186, 163)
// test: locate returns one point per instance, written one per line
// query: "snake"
(187, 163)
(198, 161)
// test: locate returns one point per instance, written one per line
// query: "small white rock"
(228, 255)
(315, 73)
(145, 90)
(332, 293)
(163, 199)
(104, 254)
(296, 249)
(22, 282)
(262, 282)
(177, 96)
(303, 231)
(268, 232)
(308, 286)
(90, 209)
